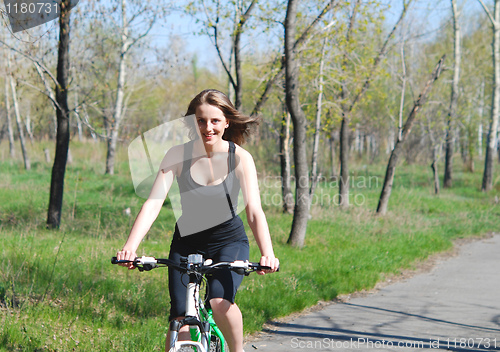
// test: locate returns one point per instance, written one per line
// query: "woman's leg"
(223, 285)
(177, 283)
(228, 317)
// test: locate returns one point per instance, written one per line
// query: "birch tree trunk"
(317, 128)
(480, 127)
(20, 129)
(435, 156)
(62, 113)
(286, 187)
(487, 184)
(452, 113)
(301, 210)
(396, 152)
(10, 132)
(115, 123)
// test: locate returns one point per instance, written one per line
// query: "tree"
(286, 187)
(317, 128)
(393, 160)
(357, 92)
(20, 129)
(494, 18)
(213, 27)
(454, 97)
(301, 210)
(62, 113)
(126, 42)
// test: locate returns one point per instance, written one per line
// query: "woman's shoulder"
(242, 152)
(244, 157)
(176, 153)
(174, 158)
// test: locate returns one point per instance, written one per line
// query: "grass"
(58, 291)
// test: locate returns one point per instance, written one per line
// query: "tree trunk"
(317, 129)
(238, 89)
(487, 184)
(301, 211)
(286, 188)
(78, 121)
(333, 156)
(498, 146)
(435, 156)
(435, 169)
(62, 113)
(470, 146)
(22, 140)
(29, 130)
(403, 91)
(114, 125)
(393, 160)
(344, 129)
(10, 132)
(452, 113)
(480, 139)
(344, 160)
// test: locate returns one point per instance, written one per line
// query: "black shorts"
(221, 284)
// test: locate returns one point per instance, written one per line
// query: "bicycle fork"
(192, 319)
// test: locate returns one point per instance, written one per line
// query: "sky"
(428, 13)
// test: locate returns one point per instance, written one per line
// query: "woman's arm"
(151, 207)
(247, 175)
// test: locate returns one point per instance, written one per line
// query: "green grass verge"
(58, 291)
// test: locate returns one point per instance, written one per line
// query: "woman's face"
(211, 123)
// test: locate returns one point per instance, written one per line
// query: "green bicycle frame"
(207, 315)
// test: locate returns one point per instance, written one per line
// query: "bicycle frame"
(200, 320)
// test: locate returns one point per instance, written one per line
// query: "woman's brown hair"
(240, 125)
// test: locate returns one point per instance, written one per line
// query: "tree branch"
(31, 58)
(488, 12)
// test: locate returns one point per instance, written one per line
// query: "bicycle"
(205, 335)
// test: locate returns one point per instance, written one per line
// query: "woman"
(210, 170)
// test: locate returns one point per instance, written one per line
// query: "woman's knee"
(220, 305)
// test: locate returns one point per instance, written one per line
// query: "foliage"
(59, 292)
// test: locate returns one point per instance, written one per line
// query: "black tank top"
(209, 213)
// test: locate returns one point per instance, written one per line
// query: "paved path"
(455, 306)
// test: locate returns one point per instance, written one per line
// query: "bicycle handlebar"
(148, 263)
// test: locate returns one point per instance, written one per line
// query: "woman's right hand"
(126, 255)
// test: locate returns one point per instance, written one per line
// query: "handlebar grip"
(115, 260)
(263, 267)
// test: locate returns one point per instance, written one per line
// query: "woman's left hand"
(271, 262)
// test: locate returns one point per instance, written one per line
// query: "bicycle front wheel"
(217, 345)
